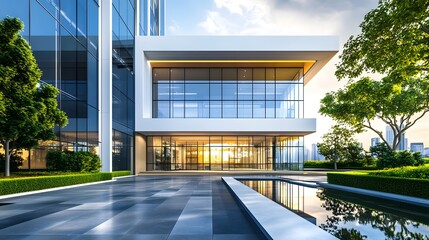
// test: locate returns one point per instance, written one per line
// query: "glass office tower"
(64, 37)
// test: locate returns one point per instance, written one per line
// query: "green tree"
(394, 37)
(30, 107)
(394, 42)
(399, 104)
(334, 145)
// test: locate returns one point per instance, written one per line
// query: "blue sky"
(284, 17)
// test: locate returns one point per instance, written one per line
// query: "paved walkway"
(145, 207)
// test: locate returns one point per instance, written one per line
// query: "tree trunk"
(335, 163)
(7, 159)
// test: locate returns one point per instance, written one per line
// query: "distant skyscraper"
(426, 152)
(403, 145)
(417, 147)
(375, 141)
(315, 155)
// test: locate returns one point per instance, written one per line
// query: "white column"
(106, 85)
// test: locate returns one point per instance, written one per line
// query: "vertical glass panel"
(215, 109)
(161, 91)
(177, 91)
(287, 74)
(285, 91)
(177, 109)
(163, 109)
(270, 109)
(259, 109)
(177, 74)
(258, 90)
(244, 109)
(68, 15)
(229, 91)
(245, 91)
(92, 81)
(270, 90)
(44, 42)
(215, 91)
(229, 109)
(281, 109)
(93, 27)
(92, 119)
(81, 21)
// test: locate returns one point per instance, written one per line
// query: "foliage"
(120, 173)
(73, 161)
(15, 162)
(421, 172)
(399, 104)
(394, 37)
(335, 144)
(420, 187)
(340, 164)
(391, 159)
(393, 42)
(29, 112)
(17, 185)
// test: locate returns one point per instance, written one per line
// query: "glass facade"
(228, 92)
(63, 35)
(168, 153)
(123, 20)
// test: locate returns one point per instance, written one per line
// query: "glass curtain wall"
(169, 153)
(228, 92)
(63, 35)
(123, 20)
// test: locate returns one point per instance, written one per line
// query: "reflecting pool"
(346, 215)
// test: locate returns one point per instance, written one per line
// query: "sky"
(286, 17)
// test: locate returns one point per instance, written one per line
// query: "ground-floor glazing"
(169, 153)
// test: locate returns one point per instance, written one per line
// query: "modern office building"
(417, 147)
(148, 102)
(375, 142)
(403, 144)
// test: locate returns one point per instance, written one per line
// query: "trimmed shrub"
(120, 173)
(17, 185)
(15, 162)
(403, 186)
(405, 172)
(73, 161)
(340, 164)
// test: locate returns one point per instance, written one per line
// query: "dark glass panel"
(259, 74)
(197, 75)
(215, 74)
(229, 74)
(160, 75)
(245, 74)
(92, 81)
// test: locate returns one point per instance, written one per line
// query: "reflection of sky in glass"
(313, 206)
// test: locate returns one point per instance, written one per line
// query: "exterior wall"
(64, 38)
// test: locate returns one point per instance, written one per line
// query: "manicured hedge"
(404, 186)
(421, 172)
(25, 184)
(120, 173)
(340, 165)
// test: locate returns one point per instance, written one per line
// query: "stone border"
(274, 221)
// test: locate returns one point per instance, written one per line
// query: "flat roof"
(309, 52)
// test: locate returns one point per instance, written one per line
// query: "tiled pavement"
(146, 207)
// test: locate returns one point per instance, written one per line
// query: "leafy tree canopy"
(395, 37)
(394, 42)
(29, 110)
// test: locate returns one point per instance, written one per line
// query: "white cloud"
(215, 24)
